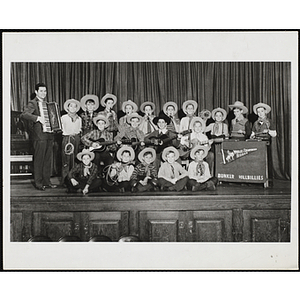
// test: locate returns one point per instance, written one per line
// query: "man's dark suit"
(42, 145)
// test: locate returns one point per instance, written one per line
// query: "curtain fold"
(211, 84)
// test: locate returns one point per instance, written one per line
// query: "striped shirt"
(142, 170)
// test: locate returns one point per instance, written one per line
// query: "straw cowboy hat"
(125, 148)
(240, 105)
(147, 150)
(221, 110)
(85, 98)
(142, 108)
(170, 103)
(133, 115)
(101, 117)
(197, 148)
(198, 119)
(162, 116)
(265, 106)
(66, 104)
(168, 150)
(84, 152)
(188, 102)
(129, 102)
(108, 96)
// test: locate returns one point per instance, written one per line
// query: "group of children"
(145, 153)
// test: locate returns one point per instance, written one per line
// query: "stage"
(234, 212)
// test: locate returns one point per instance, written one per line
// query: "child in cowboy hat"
(119, 173)
(83, 176)
(108, 101)
(128, 107)
(89, 105)
(170, 109)
(171, 175)
(240, 126)
(95, 137)
(144, 176)
(198, 171)
(189, 107)
(147, 125)
(262, 127)
(218, 129)
(71, 129)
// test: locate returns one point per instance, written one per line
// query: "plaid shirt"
(87, 121)
(94, 136)
(77, 172)
(140, 172)
(129, 133)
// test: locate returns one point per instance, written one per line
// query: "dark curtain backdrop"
(211, 84)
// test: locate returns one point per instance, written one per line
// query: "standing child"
(71, 129)
(189, 107)
(119, 173)
(144, 176)
(128, 107)
(89, 105)
(218, 129)
(171, 175)
(147, 125)
(170, 109)
(83, 176)
(198, 171)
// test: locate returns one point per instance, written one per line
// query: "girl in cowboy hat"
(144, 176)
(170, 109)
(240, 126)
(83, 176)
(218, 129)
(128, 107)
(262, 127)
(71, 129)
(147, 125)
(89, 105)
(198, 171)
(189, 107)
(171, 175)
(93, 139)
(119, 173)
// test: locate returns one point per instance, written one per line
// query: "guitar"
(102, 143)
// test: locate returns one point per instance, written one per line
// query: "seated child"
(198, 171)
(218, 129)
(144, 176)
(128, 107)
(89, 105)
(147, 125)
(189, 107)
(170, 109)
(240, 126)
(263, 127)
(119, 173)
(83, 176)
(171, 175)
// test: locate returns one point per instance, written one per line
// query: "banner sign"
(229, 155)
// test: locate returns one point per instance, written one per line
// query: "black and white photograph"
(182, 143)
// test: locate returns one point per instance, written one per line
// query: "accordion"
(51, 114)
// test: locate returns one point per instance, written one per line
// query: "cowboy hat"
(142, 108)
(108, 96)
(188, 102)
(85, 98)
(129, 102)
(84, 152)
(197, 148)
(101, 117)
(197, 119)
(125, 148)
(265, 106)
(133, 115)
(240, 105)
(162, 116)
(66, 104)
(170, 103)
(147, 150)
(168, 150)
(221, 110)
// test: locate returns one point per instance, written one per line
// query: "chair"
(129, 238)
(40, 238)
(100, 238)
(69, 238)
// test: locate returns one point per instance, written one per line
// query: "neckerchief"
(73, 116)
(86, 170)
(200, 168)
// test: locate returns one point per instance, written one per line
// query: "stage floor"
(25, 188)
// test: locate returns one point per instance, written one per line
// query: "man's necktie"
(172, 172)
(148, 125)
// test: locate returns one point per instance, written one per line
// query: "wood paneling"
(16, 227)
